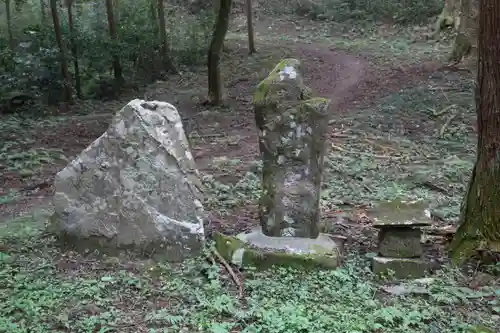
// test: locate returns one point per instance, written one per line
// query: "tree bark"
(154, 17)
(43, 11)
(74, 50)
(168, 64)
(465, 47)
(219, 34)
(8, 13)
(251, 39)
(480, 215)
(117, 68)
(68, 91)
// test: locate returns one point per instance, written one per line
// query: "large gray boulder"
(136, 187)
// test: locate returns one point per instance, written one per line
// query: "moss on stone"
(315, 102)
(157, 249)
(227, 245)
(250, 257)
(263, 87)
(284, 63)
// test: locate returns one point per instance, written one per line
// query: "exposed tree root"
(229, 269)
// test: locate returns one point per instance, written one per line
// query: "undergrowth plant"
(43, 290)
(392, 11)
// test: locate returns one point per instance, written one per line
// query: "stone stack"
(399, 245)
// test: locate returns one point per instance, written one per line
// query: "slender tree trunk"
(165, 56)
(219, 34)
(251, 39)
(117, 68)
(43, 11)
(480, 215)
(154, 17)
(68, 91)
(8, 13)
(74, 50)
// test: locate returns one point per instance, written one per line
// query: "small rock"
(404, 290)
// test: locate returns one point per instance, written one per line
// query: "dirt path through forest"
(349, 80)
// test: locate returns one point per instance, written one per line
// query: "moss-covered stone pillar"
(292, 134)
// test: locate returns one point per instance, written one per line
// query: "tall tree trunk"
(219, 34)
(154, 17)
(8, 13)
(74, 50)
(465, 47)
(43, 11)
(168, 64)
(68, 91)
(117, 68)
(480, 215)
(251, 39)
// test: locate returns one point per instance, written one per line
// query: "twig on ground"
(366, 154)
(432, 186)
(342, 136)
(39, 185)
(447, 123)
(441, 112)
(338, 148)
(376, 144)
(231, 272)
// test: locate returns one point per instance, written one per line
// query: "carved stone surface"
(400, 243)
(292, 135)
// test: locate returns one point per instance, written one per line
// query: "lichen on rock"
(292, 136)
(136, 187)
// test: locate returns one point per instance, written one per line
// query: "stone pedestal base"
(255, 249)
(400, 243)
(402, 267)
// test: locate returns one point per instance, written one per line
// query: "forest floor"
(401, 128)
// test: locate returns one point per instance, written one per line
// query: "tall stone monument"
(292, 134)
(293, 129)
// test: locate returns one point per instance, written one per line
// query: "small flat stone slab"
(400, 243)
(401, 214)
(402, 268)
(255, 249)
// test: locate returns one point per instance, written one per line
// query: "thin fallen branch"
(447, 123)
(365, 154)
(432, 186)
(376, 144)
(230, 270)
(39, 184)
(342, 136)
(441, 112)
